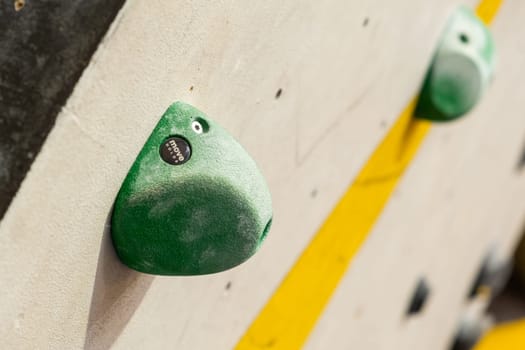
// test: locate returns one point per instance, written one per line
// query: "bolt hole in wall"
(278, 93)
(200, 126)
(419, 297)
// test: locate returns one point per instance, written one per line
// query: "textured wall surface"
(339, 94)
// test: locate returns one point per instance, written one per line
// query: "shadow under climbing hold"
(461, 69)
(193, 202)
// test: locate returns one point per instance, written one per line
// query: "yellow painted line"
(487, 10)
(287, 319)
(507, 336)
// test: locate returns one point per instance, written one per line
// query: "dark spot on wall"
(419, 297)
(278, 93)
(521, 160)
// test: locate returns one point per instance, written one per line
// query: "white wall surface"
(343, 85)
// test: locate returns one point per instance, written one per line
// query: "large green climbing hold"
(461, 69)
(193, 202)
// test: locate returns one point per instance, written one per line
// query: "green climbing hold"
(193, 202)
(461, 69)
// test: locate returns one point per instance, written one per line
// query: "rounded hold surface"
(205, 215)
(461, 69)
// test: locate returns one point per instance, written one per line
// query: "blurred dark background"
(44, 47)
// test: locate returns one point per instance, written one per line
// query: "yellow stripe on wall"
(287, 319)
(507, 336)
(487, 9)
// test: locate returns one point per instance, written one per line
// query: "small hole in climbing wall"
(464, 38)
(365, 21)
(278, 93)
(419, 297)
(228, 285)
(191, 88)
(200, 125)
